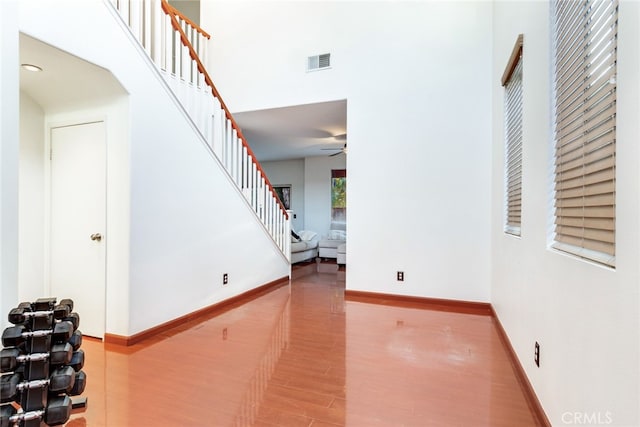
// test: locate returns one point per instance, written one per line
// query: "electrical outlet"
(400, 276)
(225, 279)
(536, 354)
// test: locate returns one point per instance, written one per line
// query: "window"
(339, 195)
(584, 56)
(512, 82)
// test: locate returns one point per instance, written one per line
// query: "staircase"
(178, 48)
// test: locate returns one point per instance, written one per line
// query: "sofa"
(337, 236)
(304, 246)
(342, 254)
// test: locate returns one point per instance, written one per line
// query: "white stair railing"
(178, 47)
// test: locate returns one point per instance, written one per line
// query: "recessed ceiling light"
(31, 67)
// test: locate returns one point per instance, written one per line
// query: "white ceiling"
(68, 82)
(295, 132)
(65, 81)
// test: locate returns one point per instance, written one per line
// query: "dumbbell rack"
(32, 406)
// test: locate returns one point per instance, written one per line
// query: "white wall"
(187, 224)
(290, 172)
(317, 191)
(9, 157)
(416, 76)
(31, 197)
(270, 72)
(584, 316)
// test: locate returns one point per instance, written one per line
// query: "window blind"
(585, 43)
(513, 140)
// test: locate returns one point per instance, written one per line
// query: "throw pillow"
(337, 235)
(307, 235)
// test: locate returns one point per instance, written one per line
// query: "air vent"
(319, 62)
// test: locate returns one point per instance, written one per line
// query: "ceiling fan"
(341, 150)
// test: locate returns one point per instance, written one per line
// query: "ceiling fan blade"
(343, 148)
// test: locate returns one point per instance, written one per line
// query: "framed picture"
(284, 193)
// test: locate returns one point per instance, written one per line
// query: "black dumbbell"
(79, 385)
(26, 306)
(22, 314)
(57, 412)
(43, 307)
(61, 380)
(13, 336)
(6, 412)
(68, 302)
(59, 354)
(9, 387)
(23, 307)
(76, 340)
(11, 357)
(74, 318)
(63, 310)
(77, 360)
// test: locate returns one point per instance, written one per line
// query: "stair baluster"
(178, 48)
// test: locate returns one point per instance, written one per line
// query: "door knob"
(96, 236)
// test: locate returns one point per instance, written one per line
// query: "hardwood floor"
(301, 355)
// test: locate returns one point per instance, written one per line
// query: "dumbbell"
(60, 354)
(76, 340)
(57, 412)
(68, 302)
(74, 318)
(24, 312)
(61, 380)
(13, 336)
(77, 360)
(6, 412)
(79, 384)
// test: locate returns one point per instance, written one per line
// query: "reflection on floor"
(301, 355)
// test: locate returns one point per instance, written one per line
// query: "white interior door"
(78, 221)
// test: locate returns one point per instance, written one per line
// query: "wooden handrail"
(183, 17)
(168, 9)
